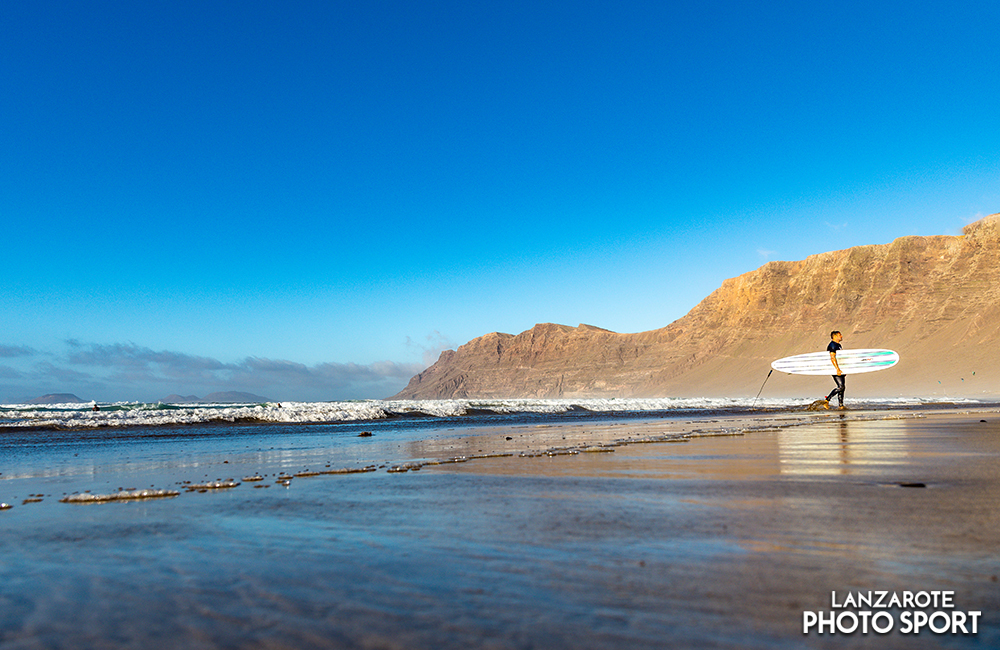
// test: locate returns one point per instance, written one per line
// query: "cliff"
(935, 300)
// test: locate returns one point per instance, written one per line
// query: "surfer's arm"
(833, 358)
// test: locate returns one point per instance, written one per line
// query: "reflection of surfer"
(840, 378)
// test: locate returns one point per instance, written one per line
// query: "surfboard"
(851, 362)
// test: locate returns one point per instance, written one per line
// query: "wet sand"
(583, 537)
(769, 523)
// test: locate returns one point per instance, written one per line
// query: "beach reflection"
(843, 447)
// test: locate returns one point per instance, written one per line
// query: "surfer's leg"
(838, 390)
(841, 387)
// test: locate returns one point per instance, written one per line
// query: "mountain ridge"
(935, 299)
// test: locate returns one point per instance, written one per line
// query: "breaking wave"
(133, 414)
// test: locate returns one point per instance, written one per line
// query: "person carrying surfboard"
(840, 378)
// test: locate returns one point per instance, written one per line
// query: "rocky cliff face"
(935, 300)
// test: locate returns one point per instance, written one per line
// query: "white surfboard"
(851, 362)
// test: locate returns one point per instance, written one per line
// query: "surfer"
(840, 378)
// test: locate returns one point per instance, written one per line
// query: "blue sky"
(309, 200)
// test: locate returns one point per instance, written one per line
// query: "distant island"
(57, 398)
(224, 397)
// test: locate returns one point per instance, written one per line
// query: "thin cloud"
(131, 355)
(12, 351)
(432, 346)
(6, 372)
(766, 254)
(968, 220)
(125, 371)
(262, 374)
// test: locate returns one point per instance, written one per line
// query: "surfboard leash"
(754, 405)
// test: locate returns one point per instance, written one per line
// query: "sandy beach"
(707, 533)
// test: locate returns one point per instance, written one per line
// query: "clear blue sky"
(308, 200)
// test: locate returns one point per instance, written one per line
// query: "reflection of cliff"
(936, 300)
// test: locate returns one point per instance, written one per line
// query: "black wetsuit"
(841, 380)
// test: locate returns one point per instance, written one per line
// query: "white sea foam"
(124, 495)
(130, 414)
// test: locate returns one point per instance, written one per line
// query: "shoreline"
(474, 443)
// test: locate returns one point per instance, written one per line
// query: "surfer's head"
(836, 335)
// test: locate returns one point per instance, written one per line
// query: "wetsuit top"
(834, 347)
